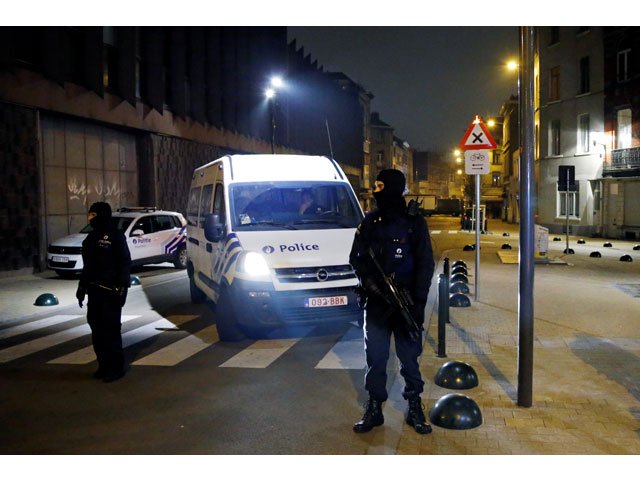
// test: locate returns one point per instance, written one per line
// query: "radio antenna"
(326, 122)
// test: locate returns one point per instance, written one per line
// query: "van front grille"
(315, 274)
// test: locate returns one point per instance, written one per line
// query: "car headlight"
(254, 264)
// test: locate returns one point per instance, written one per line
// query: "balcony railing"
(624, 161)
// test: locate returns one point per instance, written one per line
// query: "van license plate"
(315, 302)
(61, 259)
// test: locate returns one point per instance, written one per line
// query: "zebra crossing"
(347, 353)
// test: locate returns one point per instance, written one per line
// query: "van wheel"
(197, 295)
(226, 320)
(180, 259)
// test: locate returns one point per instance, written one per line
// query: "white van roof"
(256, 168)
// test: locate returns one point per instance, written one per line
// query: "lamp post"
(270, 93)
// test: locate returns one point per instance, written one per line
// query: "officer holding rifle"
(393, 259)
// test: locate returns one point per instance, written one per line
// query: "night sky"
(428, 82)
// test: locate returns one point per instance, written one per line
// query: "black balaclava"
(390, 197)
(103, 215)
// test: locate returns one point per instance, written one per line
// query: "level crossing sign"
(477, 137)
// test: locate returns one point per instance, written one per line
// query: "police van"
(153, 236)
(268, 241)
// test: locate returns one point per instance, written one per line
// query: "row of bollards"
(452, 289)
(49, 299)
(453, 410)
(596, 254)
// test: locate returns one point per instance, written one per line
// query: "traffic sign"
(477, 137)
(477, 162)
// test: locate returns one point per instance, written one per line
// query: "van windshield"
(292, 205)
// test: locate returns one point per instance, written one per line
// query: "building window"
(623, 128)
(623, 65)
(555, 35)
(554, 137)
(554, 84)
(495, 179)
(584, 75)
(583, 134)
(574, 198)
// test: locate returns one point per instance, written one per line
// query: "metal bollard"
(445, 269)
(443, 312)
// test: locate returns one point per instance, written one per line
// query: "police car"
(153, 236)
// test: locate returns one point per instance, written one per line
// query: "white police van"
(153, 236)
(268, 241)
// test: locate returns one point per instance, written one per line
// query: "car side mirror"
(137, 233)
(213, 228)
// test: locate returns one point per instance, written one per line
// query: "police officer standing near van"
(399, 240)
(105, 279)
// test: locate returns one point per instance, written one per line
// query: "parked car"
(153, 236)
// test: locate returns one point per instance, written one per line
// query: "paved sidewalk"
(586, 379)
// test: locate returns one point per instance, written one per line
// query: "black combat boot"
(372, 417)
(415, 416)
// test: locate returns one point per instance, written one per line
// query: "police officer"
(401, 244)
(105, 279)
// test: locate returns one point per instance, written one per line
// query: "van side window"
(205, 203)
(192, 207)
(218, 204)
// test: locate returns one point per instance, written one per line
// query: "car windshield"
(293, 206)
(121, 224)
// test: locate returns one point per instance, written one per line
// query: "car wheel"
(180, 260)
(226, 319)
(197, 295)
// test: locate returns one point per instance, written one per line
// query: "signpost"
(566, 183)
(476, 143)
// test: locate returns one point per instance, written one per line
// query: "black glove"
(80, 294)
(122, 296)
(417, 310)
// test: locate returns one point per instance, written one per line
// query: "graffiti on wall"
(111, 193)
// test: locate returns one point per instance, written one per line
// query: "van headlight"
(254, 265)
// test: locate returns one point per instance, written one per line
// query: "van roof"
(251, 168)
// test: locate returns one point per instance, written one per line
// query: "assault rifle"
(400, 299)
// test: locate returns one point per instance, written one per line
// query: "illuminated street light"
(512, 65)
(456, 152)
(277, 82)
(491, 122)
(270, 93)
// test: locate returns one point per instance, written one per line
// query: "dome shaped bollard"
(458, 263)
(607, 245)
(506, 246)
(459, 269)
(505, 234)
(134, 280)
(459, 287)
(456, 376)
(626, 258)
(581, 241)
(595, 254)
(458, 277)
(456, 412)
(469, 247)
(636, 247)
(569, 251)
(459, 300)
(557, 239)
(46, 300)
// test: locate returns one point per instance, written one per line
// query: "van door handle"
(209, 248)
(194, 241)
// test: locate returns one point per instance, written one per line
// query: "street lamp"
(512, 65)
(276, 83)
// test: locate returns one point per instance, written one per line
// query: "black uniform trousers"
(379, 323)
(103, 314)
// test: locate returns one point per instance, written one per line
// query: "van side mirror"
(213, 228)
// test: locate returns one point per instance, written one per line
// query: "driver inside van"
(308, 203)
